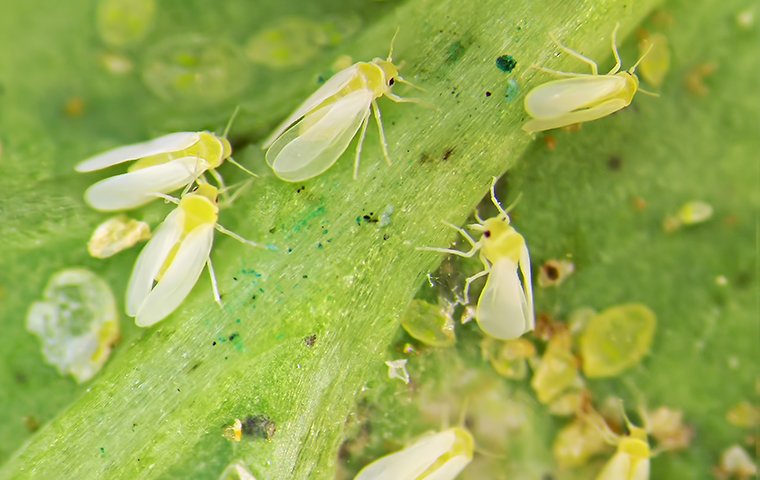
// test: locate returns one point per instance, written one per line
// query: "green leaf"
(306, 328)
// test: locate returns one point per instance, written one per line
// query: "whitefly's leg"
(472, 278)
(615, 52)
(214, 284)
(475, 246)
(359, 144)
(381, 131)
(237, 237)
(557, 73)
(579, 56)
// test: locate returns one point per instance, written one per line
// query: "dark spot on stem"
(447, 153)
(259, 426)
(310, 340)
(506, 63)
(488, 94)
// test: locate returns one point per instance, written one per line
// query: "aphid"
(317, 133)
(161, 165)
(440, 456)
(505, 307)
(631, 459)
(397, 369)
(170, 264)
(116, 234)
(77, 323)
(655, 61)
(580, 97)
(617, 339)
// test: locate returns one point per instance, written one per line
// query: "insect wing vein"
(412, 461)
(298, 155)
(179, 278)
(165, 144)
(133, 189)
(152, 258)
(330, 88)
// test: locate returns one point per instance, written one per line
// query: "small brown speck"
(550, 142)
(74, 107)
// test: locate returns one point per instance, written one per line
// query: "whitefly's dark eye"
(391, 82)
(487, 234)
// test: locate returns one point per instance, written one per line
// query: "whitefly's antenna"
(231, 120)
(393, 41)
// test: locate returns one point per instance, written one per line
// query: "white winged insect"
(172, 261)
(631, 461)
(505, 307)
(440, 456)
(581, 97)
(161, 165)
(317, 133)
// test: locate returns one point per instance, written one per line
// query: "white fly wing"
(411, 462)
(179, 278)
(527, 285)
(152, 258)
(594, 113)
(330, 88)
(450, 469)
(619, 467)
(300, 155)
(134, 189)
(502, 308)
(168, 143)
(567, 95)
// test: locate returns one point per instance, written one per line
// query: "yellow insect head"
(200, 207)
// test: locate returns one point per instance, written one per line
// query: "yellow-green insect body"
(171, 263)
(161, 165)
(581, 97)
(319, 131)
(505, 306)
(631, 460)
